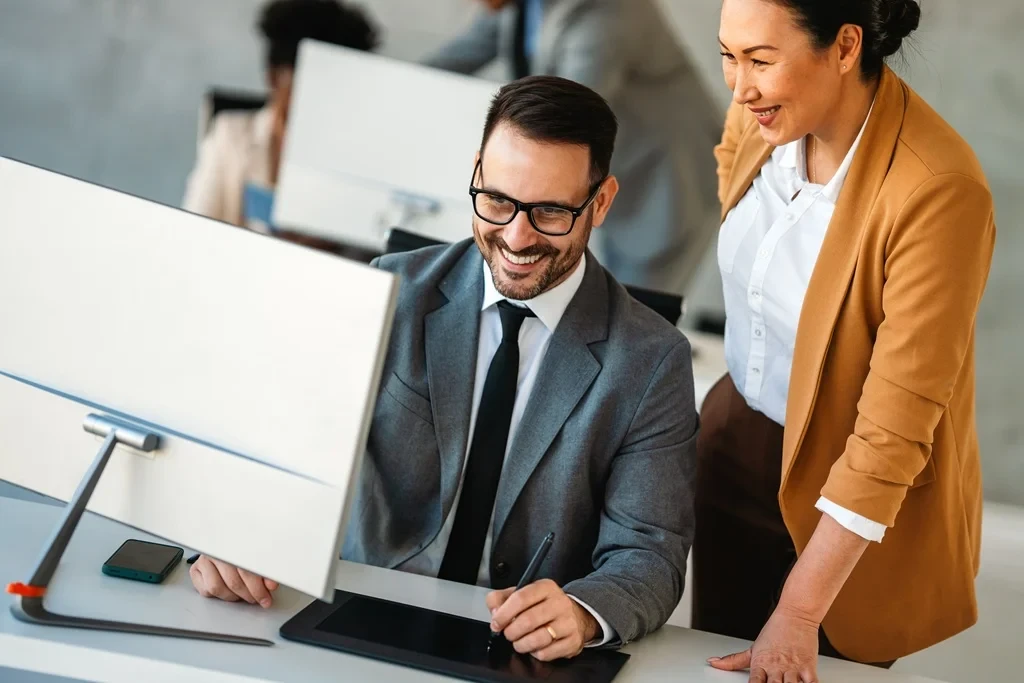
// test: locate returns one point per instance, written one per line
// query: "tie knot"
(512, 318)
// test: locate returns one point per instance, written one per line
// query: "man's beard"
(559, 263)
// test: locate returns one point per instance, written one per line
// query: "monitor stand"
(29, 606)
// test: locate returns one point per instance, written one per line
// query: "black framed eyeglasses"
(548, 219)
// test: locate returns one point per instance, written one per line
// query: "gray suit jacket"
(667, 212)
(604, 455)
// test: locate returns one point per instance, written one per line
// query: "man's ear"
(605, 198)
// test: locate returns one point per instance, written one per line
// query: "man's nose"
(519, 234)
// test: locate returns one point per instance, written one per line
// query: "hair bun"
(896, 19)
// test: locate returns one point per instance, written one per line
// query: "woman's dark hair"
(885, 23)
(553, 109)
(286, 22)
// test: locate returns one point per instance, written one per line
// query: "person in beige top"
(838, 498)
(245, 147)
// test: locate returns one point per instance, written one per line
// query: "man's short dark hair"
(552, 109)
(284, 23)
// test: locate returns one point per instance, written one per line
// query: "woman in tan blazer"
(839, 487)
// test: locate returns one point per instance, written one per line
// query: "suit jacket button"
(501, 570)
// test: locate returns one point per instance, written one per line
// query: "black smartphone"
(143, 561)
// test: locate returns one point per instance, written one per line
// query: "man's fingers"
(540, 639)
(520, 601)
(561, 649)
(775, 676)
(534, 619)
(496, 599)
(233, 581)
(271, 585)
(195, 573)
(565, 646)
(791, 677)
(734, 662)
(257, 589)
(809, 675)
(212, 585)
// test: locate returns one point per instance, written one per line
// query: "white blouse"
(767, 249)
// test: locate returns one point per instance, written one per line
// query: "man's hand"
(216, 579)
(786, 651)
(541, 620)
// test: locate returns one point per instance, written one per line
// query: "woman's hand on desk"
(215, 579)
(785, 651)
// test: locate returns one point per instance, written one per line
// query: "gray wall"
(107, 90)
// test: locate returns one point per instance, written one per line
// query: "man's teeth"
(520, 260)
(765, 114)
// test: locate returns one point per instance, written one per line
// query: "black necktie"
(520, 61)
(486, 454)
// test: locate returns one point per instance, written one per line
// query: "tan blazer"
(234, 152)
(880, 414)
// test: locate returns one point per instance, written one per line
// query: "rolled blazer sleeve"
(937, 262)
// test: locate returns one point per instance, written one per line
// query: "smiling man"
(524, 392)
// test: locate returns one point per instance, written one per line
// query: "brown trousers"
(742, 552)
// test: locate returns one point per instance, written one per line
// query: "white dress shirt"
(767, 249)
(534, 338)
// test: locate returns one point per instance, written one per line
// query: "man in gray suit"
(525, 392)
(667, 214)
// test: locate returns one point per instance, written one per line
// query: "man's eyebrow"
(555, 202)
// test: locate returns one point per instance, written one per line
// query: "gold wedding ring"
(551, 632)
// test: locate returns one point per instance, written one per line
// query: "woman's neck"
(832, 142)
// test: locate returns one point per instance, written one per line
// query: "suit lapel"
(837, 260)
(566, 373)
(452, 333)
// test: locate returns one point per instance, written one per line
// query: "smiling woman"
(857, 225)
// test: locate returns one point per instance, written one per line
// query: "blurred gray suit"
(603, 455)
(666, 214)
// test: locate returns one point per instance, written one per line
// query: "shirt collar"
(793, 156)
(548, 306)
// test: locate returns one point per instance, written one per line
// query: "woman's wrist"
(822, 570)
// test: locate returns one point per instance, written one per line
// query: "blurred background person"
(237, 166)
(660, 227)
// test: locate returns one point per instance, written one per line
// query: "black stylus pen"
(530, 574)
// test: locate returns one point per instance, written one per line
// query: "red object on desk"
(26, 591)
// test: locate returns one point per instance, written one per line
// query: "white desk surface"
(671, 654)
(708, 361)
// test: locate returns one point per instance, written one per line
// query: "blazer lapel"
(567, 371)
(452, 333)
(837, 260)
(751, 154)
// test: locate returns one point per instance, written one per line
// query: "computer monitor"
(374, 142)
(254, 361)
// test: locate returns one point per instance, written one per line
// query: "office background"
(108, 91)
